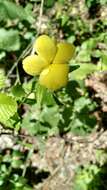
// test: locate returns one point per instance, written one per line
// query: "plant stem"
(40, 17)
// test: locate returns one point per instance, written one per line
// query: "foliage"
(90, 177)
(9, 10)
(9, 40)
(11, 171)
(90, 3)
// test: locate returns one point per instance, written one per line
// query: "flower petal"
(64, 53)
(55, 76)
(34, 64)
(45, 47)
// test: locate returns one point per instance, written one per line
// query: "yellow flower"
(50, 62)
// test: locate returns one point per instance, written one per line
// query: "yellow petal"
(45, 47)
(34, 64)
(55, 76)
(64, 53)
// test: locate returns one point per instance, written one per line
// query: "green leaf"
(44, 96)
(40, 92)
(89, 177)
(16, 163)
(51, 116)
(64, 19)
(3, 12)
(82, 122)
(18, 91)
(43, 121)
(90, 3)
(49, 3)
(86, 50)
(79, 185)
(9, 40)
(89, 44)
(103, 2)
(74, 67)
(84, 56)
(82, 102)
(83, 71)
(8, 107)
(12, 11)
(2, 55)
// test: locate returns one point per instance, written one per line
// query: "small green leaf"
(44, 96)
(84, 56)
(51, 115)
(2, 54)
(18, 91)
(49, 3)
(89, 44)
(83, 71)
(9, 10)
(64, 19)
(9, 40)
(16, 163)
(74, 67)
(8, 107)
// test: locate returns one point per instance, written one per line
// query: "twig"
(83, 140)
(20, 57)
(54, 173)
(68, 141)
(27, 160)
(40, 17)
